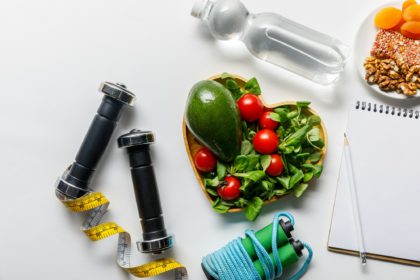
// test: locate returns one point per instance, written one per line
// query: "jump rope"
(260, 255)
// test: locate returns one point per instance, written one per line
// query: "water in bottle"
(275, 39)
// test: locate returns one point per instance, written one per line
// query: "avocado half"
(213, 118)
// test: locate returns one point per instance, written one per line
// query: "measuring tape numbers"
(95, 205)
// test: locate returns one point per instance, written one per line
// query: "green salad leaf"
(221, 170)
(254, 176)
(252, 86)
(220, 207)
(265, 161)
(254, 208)
(301, 148)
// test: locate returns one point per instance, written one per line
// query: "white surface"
(54, 54)
(387, 195)
(363, 43)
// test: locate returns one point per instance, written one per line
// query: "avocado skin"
(213, 118)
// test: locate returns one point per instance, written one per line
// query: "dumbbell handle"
(95, 142)
(74, 183)
(146, 192)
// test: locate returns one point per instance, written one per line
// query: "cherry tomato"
(265, 141)
(276, 166)
(204, 160)
(267, 122)
(250, 107)
(229, 190)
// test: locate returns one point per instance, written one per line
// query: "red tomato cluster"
(265, 142)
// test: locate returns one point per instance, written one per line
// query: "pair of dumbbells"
(74, 183)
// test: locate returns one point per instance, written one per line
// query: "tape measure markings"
(95, 204)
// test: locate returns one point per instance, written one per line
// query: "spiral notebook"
(385, 149)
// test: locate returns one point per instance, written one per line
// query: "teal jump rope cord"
(232, 262)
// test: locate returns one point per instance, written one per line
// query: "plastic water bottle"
(275, 39)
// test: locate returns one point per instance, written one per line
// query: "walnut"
(384, 83)
(407, 89)
(392, 75)
(370, 59)
(370, 69)
(413, 74)
(384, 65)
(403, 67)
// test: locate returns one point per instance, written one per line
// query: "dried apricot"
(411, 29)
(398, 26)
(408, 3)
(388, 18)
(412, 13)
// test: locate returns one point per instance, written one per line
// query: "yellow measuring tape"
(95, 205)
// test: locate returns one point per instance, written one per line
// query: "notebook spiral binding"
(386, 109)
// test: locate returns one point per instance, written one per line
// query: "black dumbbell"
(155, 237)
(74, 182)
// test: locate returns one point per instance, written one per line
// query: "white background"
(54, 54)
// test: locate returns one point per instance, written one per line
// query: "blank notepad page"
(386, 160)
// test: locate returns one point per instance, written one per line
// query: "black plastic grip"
(146, 193)
(94, 144)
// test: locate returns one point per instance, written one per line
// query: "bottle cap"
(198, 8)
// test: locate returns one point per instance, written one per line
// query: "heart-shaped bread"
(192, 145)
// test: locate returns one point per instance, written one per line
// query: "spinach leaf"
(254, 208)
(227, 203)
(308, 176)
(275, 117)
(254, 176)
(246, 147)
(265, 161)
(300, 189)
(211, 182)
(212, 192)
(234, 88)
(284, 181)
(241, 202)
(296, 178)
(303, 155)
(280, 192)
(314, 139)
(296, 138)
(316, 169)
(252, 86)
(226, 75)
(292, 114)
(221, 170)
(314, 120)
(245, 185)
(303, 104)
(253, 161)
(282, 114)
(240, 163)
(314, 157)
(219, 207)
